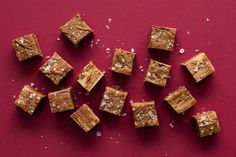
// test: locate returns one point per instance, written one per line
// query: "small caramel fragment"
(199, 66)
(76, 30)
(157, 73)
(26, 47)
(85, 118)
(28, 99)
(113, 100)
(180, 99)
(207, 123)
(56, 68)
(162, 38)
(123, 62)
(144, 114)
(89, 76)
(61, 100)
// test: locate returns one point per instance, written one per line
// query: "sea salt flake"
(31, 84)
(132, 49)
(108, 27)
(181, 51)
(58, 39)
(109, 20)
(207, 19)
(171, 125)
(98, 134)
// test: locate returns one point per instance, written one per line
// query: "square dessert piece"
(113, 100)
(199, 66)
(89, 76)
(28, 99)
(85, 118)
(144, 114)
(76, 30)
(123, 61)
(206, 123)
(26, 47)
(56, 68)
(162, 38)
(157, 73)
(180, 99)
(61, 100)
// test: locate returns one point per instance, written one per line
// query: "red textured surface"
(47, 134)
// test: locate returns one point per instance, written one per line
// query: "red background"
(47, 134)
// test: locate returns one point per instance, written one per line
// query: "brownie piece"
(76, 30)
(157, 73)
(61, 100)
(199, 66)
(207, 123)
(56, 68)
(144, 114)
(26, 47)
(113, 100)
(162, 38)
(180, 99)
(28, 99)
(85, 118)
(123, 61)
(89, 76)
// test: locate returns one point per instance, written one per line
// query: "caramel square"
(89, 76)
(28, 99)
(113, 100)
(123, 62)
(162, 38)
(26, 47)
(157, 73)
(144, 114)
(61, 100)
(199, 66)
(207, 123)
(56, 68)
(85, 118)
(76, 30)
(180, 99)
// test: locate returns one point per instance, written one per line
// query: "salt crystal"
(58, 39)
(103, 71)
(171, 125)
(188, 32)
(32, 84)
(132, 49)
(181, 51)
(47, 57)
(109, 20)
(207, 20)
(14, 96)
(197, 50)
(98, 134)
(108, 27)
(46, 147)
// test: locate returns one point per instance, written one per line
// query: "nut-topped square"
(61, 100)
(144, 114)
(89, 76)
(56, 68)
(77, 30)
(122, 62)
(180, 99)
(85, 118)
(199, 66)
(28, 99)
(113, 100)
(162, 38)
(26, 47)
(207, 123)
(157, 73)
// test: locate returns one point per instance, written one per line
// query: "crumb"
(141, 68)
(207, 20)
(47, 57)
(132, 49)
(109, 20)
(14, 96)
(123, 114)
(103, 71)
(31, 84)
(91, 44)
(46, 147)
(131, 101)
(197, 50)
(181, 51)
(58, 39)
(188, 32)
